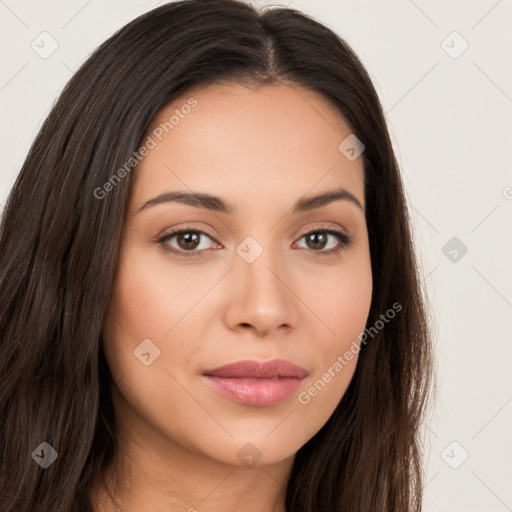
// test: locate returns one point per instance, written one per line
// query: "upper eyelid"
(177, 231)
(199, 230)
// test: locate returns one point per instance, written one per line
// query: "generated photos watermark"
(305, 397)
(150, 143)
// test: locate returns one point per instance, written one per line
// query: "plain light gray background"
(449, 112)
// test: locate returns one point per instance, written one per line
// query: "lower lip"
(257, 392)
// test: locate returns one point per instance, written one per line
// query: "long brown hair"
(59, 248)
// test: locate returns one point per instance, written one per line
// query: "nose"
(261, 297)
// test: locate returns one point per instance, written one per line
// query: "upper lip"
(258, 370)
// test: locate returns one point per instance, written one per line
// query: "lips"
(256, 383)
(277, 368)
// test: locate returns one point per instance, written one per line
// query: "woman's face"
(244, 281)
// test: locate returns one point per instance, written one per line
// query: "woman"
(210, 299)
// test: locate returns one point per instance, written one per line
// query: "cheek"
(153, 300)
(151, 295)
(341, 299)
(142, 307)
(342, 303)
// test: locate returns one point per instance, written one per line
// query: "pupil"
(314, 237)
(191, 240)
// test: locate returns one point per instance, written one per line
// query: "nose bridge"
(258, 266)
(261, 298)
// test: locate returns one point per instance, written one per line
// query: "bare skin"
(260, 150)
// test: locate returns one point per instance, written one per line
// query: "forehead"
(230, 139)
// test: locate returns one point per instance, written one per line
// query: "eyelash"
(344, 239)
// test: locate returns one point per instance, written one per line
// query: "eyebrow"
(217, 204)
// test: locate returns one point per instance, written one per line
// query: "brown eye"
(318, 240)
(183, 241)
(188, 240)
